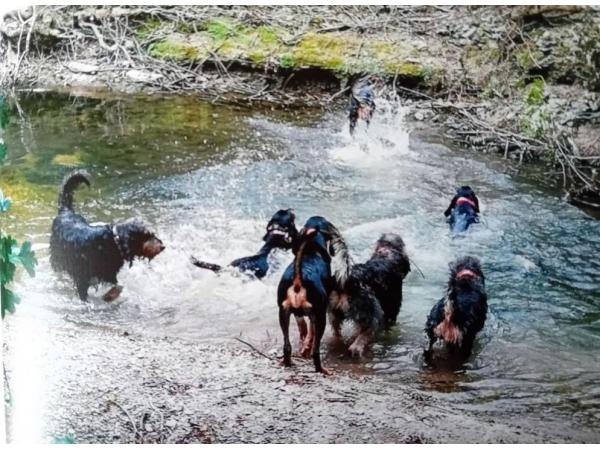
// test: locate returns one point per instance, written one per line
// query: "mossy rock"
(265, 46)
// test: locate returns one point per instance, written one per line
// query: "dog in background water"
(307, 283)
(460, 315)
(281, 233)
(372, 295)
(463, 210)
(92, 254)
(362, 105)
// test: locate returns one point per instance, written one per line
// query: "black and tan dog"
(92, 254)
(372, 295)
(460, 315)
(307, 283)
(362, 105)
(463, 210)
(281, 233)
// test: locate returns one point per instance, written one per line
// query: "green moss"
(147, 28)
(324, 51)
(268, 35)
(262, 45)
(68, 159)
(536, 96)
(528, 59)
(176, 51)
(221, 29)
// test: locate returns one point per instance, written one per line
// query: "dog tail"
(340, 256)
(205, 265)
(70, 183)
(296, 295)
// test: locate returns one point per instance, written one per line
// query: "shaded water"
(208, 178)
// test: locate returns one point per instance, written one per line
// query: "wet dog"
(372, 295)
(307, 283)
(460, 315)
(463, 210)
(281, 233)
(362, 105)
(92, 254)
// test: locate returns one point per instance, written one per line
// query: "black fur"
(466, 300)
(93, 253)
(281, 233)
(311, 279)
(373, 291)
(463, 214)
(362, 96)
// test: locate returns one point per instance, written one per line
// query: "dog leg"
(82, 288)
(308, 342)
(318, 325)
(358, 347)
(428, 351)
(113, 293)
(302, 328)
(284, 322)
(336, 320)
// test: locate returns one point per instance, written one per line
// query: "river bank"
(521, 82)
(138, 389)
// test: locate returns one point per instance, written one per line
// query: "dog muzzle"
(276, 230)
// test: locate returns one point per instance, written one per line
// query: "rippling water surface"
(208, 178)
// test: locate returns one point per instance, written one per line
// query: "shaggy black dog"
(372, 296)
(463, 210)
(281, 233)
(460, 315)
(92, 254)
(307, 283)
(362, 105)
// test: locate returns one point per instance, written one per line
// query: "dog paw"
(286, 363)
(306, 351)
(112, 294)
(356, 350)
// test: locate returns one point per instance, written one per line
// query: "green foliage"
(286, 61)
(537, 119)
(4, 113)
(536, 95)
(9, 300)
(64, 440)
(11, 255)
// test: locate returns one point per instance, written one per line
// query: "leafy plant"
(11, 254)
(537, 119)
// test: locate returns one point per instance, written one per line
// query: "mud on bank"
(152, 390)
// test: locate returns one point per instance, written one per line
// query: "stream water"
(208, 177)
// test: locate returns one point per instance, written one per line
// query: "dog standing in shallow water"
(307, 283)
(372, 295)
(460, 315)
(281, 233)
(463, 210)
(92, 254)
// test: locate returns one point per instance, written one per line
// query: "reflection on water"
(209, 177)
